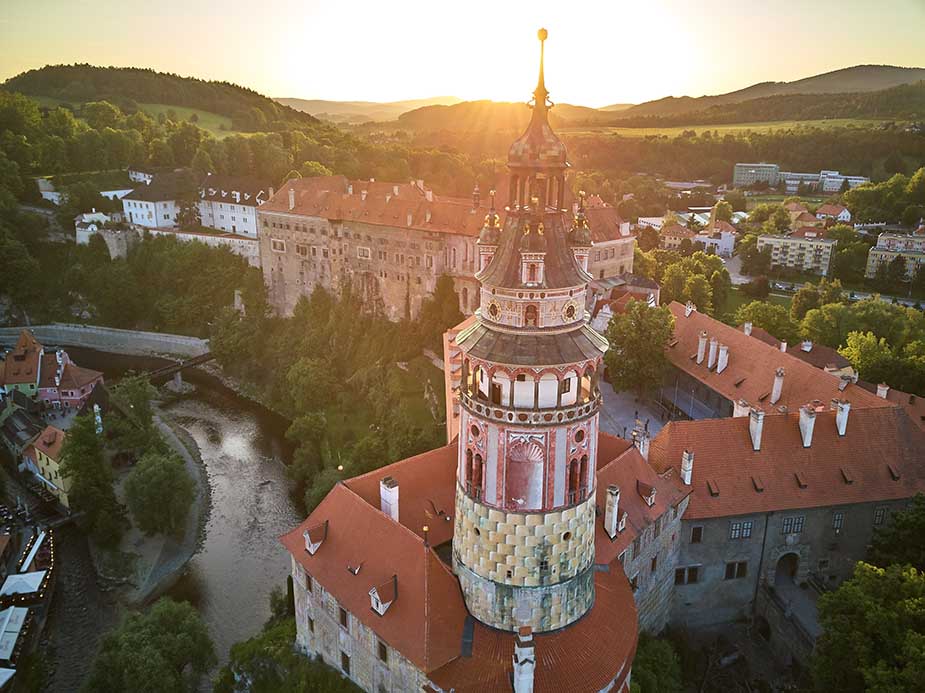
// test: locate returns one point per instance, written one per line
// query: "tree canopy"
(638, 337)
(901, 541)
(160, 492)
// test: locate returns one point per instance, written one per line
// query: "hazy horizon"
(598, 53)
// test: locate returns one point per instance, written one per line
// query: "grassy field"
(218, 125)
(116, 179)
(738, 298)
(755, 200)
(736, 128)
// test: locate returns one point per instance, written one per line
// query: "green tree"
(873, 635)
(101, 114)
(160, 493)
(438, 313)
(165, 650)
(202, 161)
(673, 282)
(311, 384)
(638, 339)
(870, 356)
(771, 317)
(657, 667)
(804, 300)
(697, 290)
(647, 239)
(310, 169)
(901, 541)
(90, 476)
(828, 324)
(722, 211)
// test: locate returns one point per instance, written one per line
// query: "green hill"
(363, 111)
(128, 87)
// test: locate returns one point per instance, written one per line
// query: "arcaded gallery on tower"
(500, 561)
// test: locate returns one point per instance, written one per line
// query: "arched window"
(530, 315)
(574, 482)
(468, 471)
(583, 478)
(477, 477)
(531, 273)
(586, 381)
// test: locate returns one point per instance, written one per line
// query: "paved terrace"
(129, 342)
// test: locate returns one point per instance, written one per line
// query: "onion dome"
(580, 233)
(539, 147)
(491, 230)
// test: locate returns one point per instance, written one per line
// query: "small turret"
(580, 233)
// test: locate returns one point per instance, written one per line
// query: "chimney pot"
(711, 359)
(362, 196)
(687, 467)
(291, 199)
(842, 407)
(612, 511)
(778, 385)
(883, 390)
(524, 661)
(755, 426)
(723, 358)
(783, 347)
(688, 309)
(807, 422)
(388, 497)
(701, 346)
(747, 329)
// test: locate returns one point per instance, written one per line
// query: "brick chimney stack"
(687, 467)
(807, 423)
(388, 497)
(702, 346)
(612, 511)
(778, 385)
(755, 424)
(524, 661)
(711, 359)
(723, 358)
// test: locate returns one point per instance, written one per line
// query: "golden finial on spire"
(540, 95)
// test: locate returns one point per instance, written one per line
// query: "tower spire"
(540, 95)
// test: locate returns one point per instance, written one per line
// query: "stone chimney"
(641, 441)
(723, 359)
(701, 346)
(524, 661)
(755, 425)
(740, 408)
(778, 385)
(807, 422)
(410, 218)
(711, 359)
(362, 196)
(612, 511)
(388, 497)
(747, 329)
(291, 199)
(687, 467)
(429, 195)
(883, 390)
(427, 216)
(841, 407)
(783, 347)
(395, 190)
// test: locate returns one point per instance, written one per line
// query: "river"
(244, 451)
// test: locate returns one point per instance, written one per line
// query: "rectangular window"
(634, 583)
(278, 246)
(301, 250)
(309, 583)
(879, 515)
(344, 622)
(735, 530)
(736, 570)
(345, 662)
(653, 566)
(363, 253)
(324, 252)
(383, 652)
(792, 525)
(311, 625)
(687, 576)
(696, 535)
(746, 529)
(838, 521)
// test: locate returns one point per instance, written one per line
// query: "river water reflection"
(229, 580)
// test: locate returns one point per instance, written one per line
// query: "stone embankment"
(111, 340)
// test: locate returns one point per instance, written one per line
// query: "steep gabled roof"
(50, 441)
(21, 365)
(880, 457)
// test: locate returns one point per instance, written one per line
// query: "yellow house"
(42, 458)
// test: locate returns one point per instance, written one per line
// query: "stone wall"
(538, 561)
(319, 633)
(131, 342)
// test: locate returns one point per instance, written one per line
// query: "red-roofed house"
(670, 236)
(42, 459)
(834, 212)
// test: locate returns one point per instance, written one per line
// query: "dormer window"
(382, 596)
(622, 524)
(315, 536)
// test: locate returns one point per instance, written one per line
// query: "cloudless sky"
(599, 52)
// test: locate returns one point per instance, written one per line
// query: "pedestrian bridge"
(111, 340)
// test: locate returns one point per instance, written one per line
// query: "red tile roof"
(21, 365)
(752, 366)
(73, 377)
(830, 210)
(676, 231)
(793, 476)
(795, 207)
(337, 198)
(809, 232)
(425, 621)
(569, 659)
(50, 442)
(806, 217)
(720, 225)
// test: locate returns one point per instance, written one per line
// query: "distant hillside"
(128, 86)
(482, 116)
(617, 107)
(904, 102)
(861, 78)
(363, 111)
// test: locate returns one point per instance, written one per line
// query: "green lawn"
(218, 125)
(116, 179)
(775, 198)
(736, 128)
(738, 298)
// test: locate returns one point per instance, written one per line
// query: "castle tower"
(523, 547)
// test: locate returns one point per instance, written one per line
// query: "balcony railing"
(549, 416)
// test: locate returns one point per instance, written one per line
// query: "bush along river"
(244, 452)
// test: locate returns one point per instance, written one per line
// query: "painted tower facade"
(523, 547)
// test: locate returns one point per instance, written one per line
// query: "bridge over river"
(113, 341)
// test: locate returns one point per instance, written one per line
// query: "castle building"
(501, 561)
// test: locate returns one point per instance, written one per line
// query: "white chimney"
(807, 421)
(350, 188)
(291, 198)
(755, 424)
(395, 190)
(687, 467)
(429, 195)
(841, 407)
(747, 329)
(783, 347)
(740, 408)
(362, 196)
(688, 309)
(524, 661)
(388, 497)
(711, 358)
(427, 217)
(778, 385)
(701, 346)
(723, 358)
(612, 511)
(806, 346)
(410, 218)
(883, 390)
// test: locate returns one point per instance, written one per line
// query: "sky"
(599, 52)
